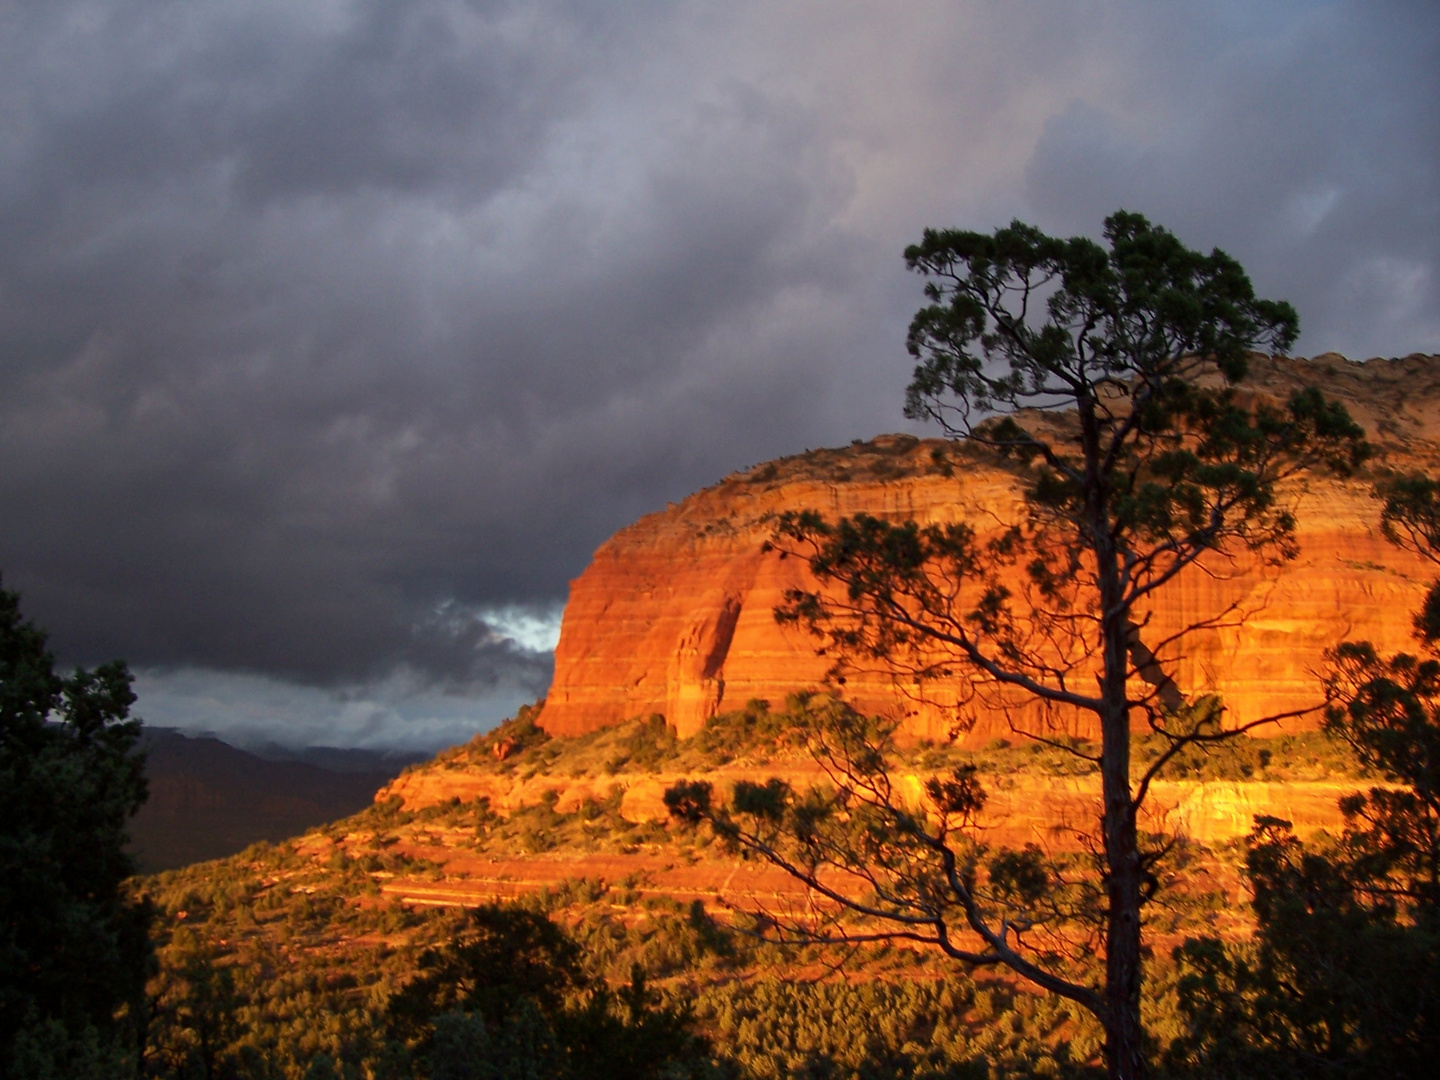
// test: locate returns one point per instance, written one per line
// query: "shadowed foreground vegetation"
(288, 960)
(264, 979)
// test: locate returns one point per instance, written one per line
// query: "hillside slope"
(209, 799)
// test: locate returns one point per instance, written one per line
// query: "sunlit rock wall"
(674, 615)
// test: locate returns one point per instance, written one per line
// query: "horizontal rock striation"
(674, 615)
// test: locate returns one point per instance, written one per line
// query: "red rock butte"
(675, 614)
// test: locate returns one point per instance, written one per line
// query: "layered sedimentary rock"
(1019, 809)
(675, 614)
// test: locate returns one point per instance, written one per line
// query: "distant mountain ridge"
(209, 799)
(340, 759)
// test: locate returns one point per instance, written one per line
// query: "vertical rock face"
(675, 613)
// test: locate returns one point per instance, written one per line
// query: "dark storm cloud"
(306, 346)
(1309, 148)
(336, 336)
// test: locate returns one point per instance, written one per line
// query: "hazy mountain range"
(209, 799)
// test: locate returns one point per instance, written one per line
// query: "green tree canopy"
(510, 997)
(72, 947)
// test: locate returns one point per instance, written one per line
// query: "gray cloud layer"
(329, 330)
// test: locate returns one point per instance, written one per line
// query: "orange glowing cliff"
(674, 615)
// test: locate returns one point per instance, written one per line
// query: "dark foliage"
(73, 948)
(508, 954)
(511, 994)
(688, 800)
(1341, 979)
(1334, 984)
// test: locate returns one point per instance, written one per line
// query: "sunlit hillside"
(321, 930)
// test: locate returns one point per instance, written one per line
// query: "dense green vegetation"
(309, 965)
(262, 980)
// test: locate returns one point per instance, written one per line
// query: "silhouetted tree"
(73, 947)
(510, 998)
(1106, 377)
(508, 955)
(1341, 977)
(195, 1018)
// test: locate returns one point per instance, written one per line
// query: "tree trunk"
(1124, 1035)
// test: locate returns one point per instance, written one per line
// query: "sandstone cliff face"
(675, 613)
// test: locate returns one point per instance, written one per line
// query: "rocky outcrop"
(674, 615)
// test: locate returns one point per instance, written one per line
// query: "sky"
(335, 336)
